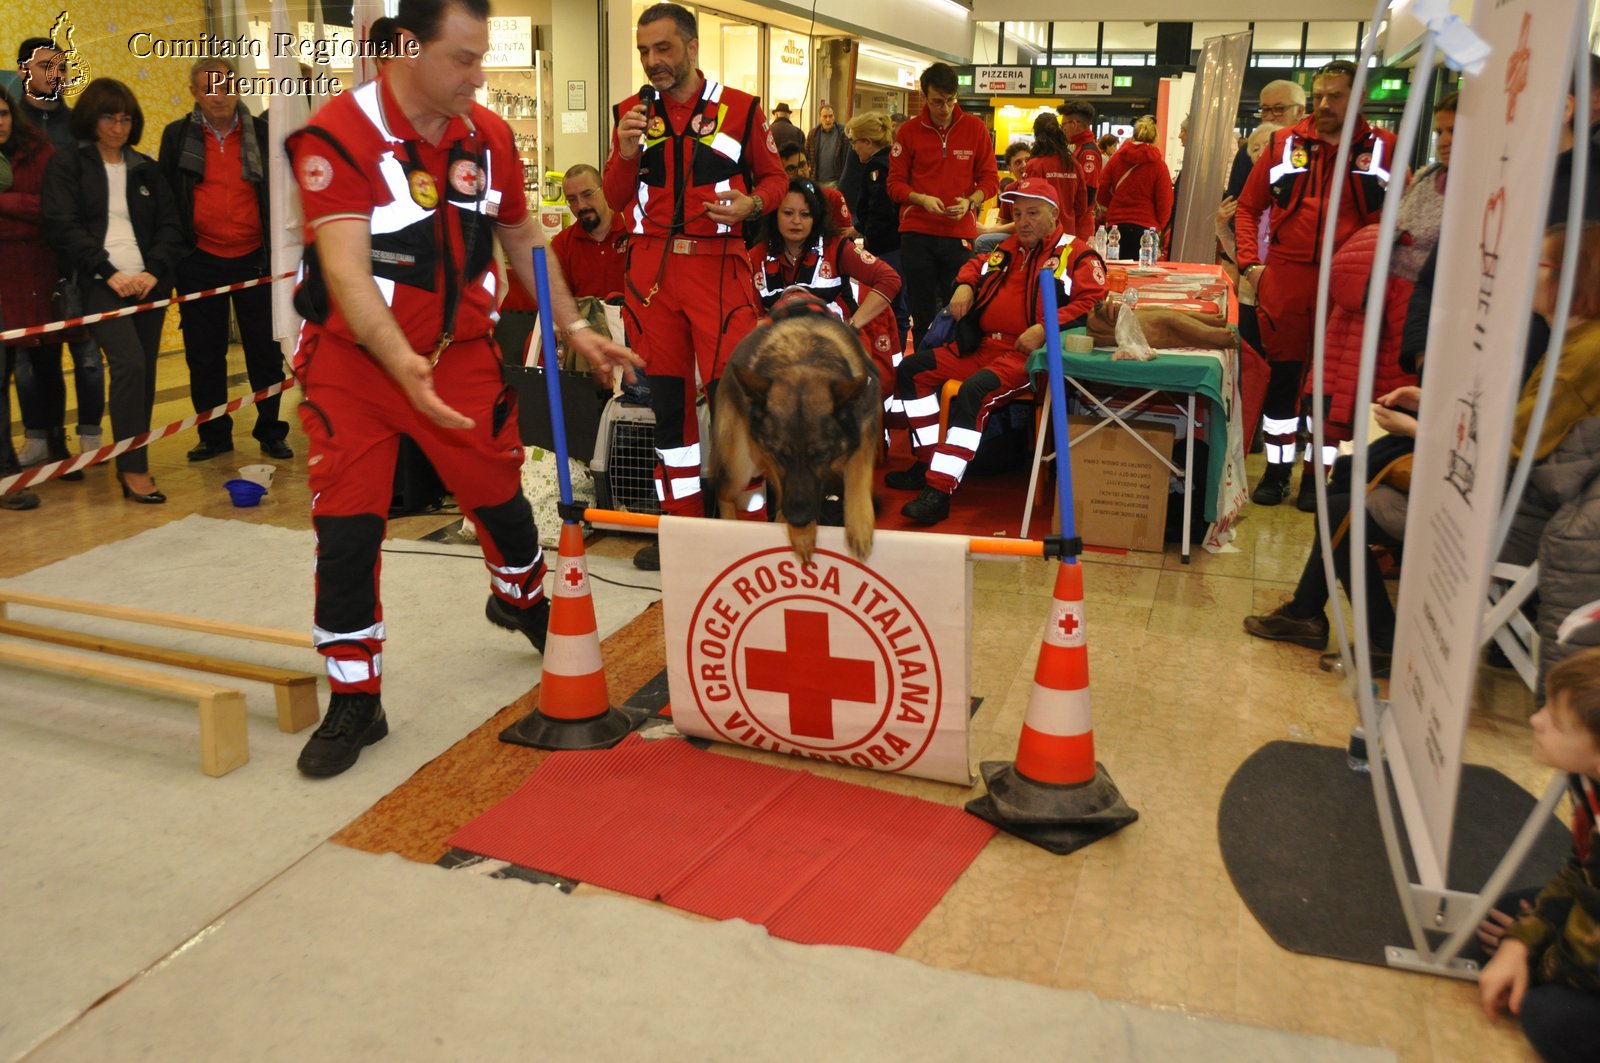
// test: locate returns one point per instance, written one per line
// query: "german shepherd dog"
(800, 405)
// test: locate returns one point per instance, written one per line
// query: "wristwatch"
(761, 206)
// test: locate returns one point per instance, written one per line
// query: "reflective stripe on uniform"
(321, 636)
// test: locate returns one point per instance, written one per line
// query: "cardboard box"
(1119, 489)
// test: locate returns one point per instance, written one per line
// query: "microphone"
(647, 96)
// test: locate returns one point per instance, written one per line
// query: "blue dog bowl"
(245, 492)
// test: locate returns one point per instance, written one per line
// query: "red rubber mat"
(812, 860)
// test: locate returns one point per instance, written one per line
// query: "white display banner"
(1494, 220)
(1083, 81)
(510, 42)
(832, 660)
(1000, 80)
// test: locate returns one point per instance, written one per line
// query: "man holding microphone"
(691, 162)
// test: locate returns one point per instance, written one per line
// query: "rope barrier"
(55, 469)
(11, 335)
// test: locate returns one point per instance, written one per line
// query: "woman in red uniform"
(800, 247)
(1052, 160)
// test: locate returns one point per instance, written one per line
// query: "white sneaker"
(90, 441)
(34, 451)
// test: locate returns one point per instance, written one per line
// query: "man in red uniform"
(592, 252)
(405, 184)
(1077, 122)
(689, 166)
(1002, 289)
(941, 170)
(1294, 177)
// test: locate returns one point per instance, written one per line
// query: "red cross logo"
(1068, 623)
(809, 674)
(573, 576)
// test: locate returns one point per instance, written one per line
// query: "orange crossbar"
(994, 547)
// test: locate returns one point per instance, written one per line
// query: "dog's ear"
(846, 391)
(752, 383)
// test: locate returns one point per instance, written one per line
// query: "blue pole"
(1058, 406)
(552, 373)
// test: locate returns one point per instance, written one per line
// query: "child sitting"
(1547, 967)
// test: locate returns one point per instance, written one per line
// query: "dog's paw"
(803, 541)
(859, 539)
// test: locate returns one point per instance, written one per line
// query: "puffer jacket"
(1558, 522)
(1347, 296)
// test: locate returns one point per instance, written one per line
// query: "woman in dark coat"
(114, 223)
(877, 216)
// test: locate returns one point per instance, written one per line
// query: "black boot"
(56, 450)
(1274, 486)
(353, 722)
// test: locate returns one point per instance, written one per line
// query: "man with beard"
(1295, 178)
(592, 253)
(691, 161)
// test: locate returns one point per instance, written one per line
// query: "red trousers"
(1286, 308)
(685, 314)
(992, 375)
(353, 414)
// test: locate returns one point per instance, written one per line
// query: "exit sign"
(1122, 82)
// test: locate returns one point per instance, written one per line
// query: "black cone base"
(597, 732)
(1059, 819)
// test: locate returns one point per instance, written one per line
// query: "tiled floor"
(1181, 697)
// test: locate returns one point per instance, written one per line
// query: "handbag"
(965, 334)
(66, 301)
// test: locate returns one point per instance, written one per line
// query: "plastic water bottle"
(1099, 241)
(1113, 243)
(1147, 248)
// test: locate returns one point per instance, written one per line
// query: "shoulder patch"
(316, 173)
(898, 150)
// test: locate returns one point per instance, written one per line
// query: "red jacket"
(1137, 187)
(1076, 215)
(30, 266)
(718, 139)
(1294, 176)
(1006, 282)
(1347, 295)
(949, 164)
(1086, 149)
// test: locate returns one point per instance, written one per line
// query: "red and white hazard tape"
(122, 446)
(11, 335)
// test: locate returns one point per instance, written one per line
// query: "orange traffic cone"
(574, 709)
(1055, 794)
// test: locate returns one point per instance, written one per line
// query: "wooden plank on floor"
(157, 619)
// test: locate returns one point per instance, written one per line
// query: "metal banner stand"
(1427, 907)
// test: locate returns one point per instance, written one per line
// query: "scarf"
(192, 159)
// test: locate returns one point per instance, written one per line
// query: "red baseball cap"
(1032, 188)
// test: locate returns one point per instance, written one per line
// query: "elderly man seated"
(1000, 292)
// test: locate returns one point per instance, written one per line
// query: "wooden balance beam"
(223, 744)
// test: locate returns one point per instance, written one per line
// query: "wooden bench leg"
(297, 704)
(223, 742)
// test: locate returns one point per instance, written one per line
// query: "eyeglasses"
(117, 119)
(1274, 111)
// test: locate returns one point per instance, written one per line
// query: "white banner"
(1494, 221)
(833, 660)
(1083, 81)
(1000, 80)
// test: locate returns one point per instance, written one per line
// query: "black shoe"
(1274, 486)
(533, 622)
(1281, 626)
(648, 558)
(1306, 501)
(154, 498)
(206, 451)
(23, 499)
(272, 448)
(930, 507)
(1329, 662)
(912, 479)
(353, 721)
